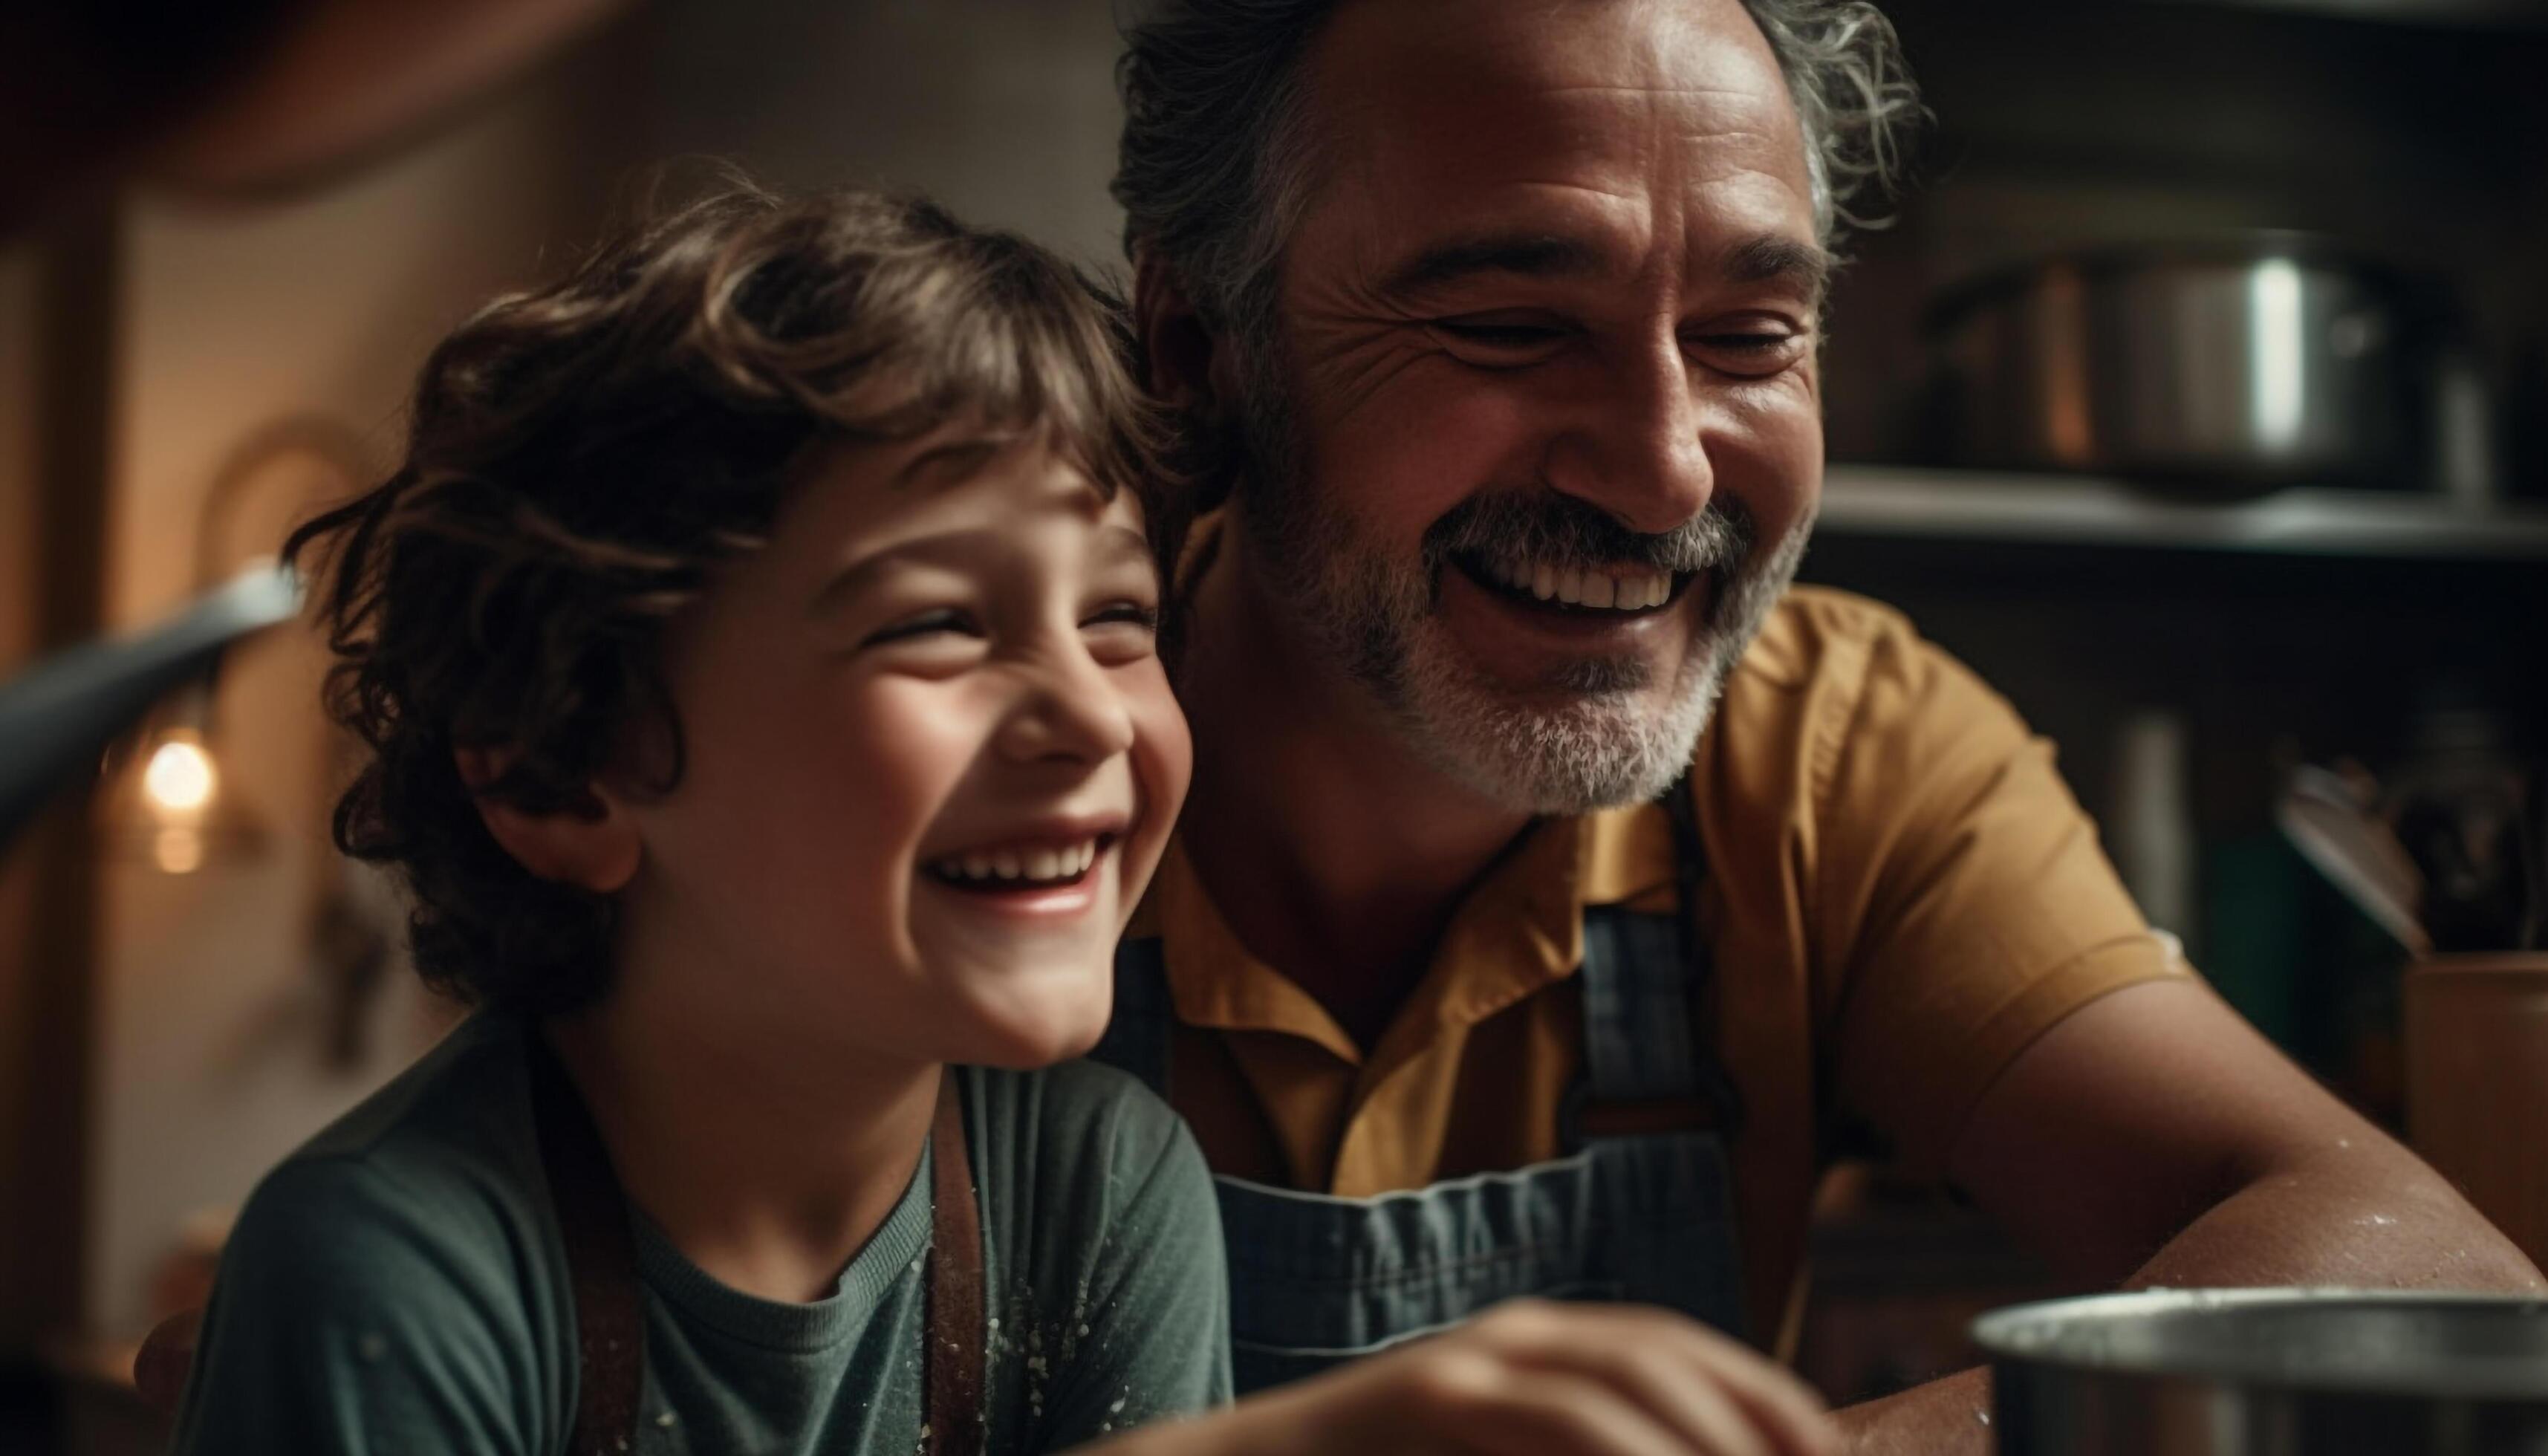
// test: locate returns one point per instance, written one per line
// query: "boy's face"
(931, 760)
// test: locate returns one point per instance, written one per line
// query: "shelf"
(1974, 506)
(2515, 14)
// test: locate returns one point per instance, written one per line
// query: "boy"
(756, 657)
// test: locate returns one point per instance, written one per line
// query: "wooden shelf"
(1988, 506)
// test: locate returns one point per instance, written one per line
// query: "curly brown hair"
(581, 456)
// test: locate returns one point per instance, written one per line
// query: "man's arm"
(2153, 1138)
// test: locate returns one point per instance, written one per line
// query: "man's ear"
(595, 846)
(1185, 355)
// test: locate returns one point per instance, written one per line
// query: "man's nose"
(1637, 449)
(1070, 711)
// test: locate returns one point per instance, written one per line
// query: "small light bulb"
(180, 777)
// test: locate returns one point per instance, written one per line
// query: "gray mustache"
(1563, 530)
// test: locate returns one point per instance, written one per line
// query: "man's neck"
(1333, 852)
(767, 1173)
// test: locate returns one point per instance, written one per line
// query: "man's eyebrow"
(1527, 254)
(1775, 257)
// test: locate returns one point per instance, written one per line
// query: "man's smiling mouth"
(1604, 591)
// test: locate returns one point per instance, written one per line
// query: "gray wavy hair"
(1215, 166)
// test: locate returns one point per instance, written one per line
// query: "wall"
(1003, 108)
(211, 1003)
(21, 1280)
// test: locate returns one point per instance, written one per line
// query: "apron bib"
(1636, 1216)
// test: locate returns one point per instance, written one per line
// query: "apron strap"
(609, 1317)
(1651, 1055)
(951, 1392)
(600, 1259)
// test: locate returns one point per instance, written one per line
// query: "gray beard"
(1582, 740)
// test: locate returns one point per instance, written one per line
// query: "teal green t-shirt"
(400, 1284)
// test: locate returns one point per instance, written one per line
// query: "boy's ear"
(595, 847)
(1186, 358)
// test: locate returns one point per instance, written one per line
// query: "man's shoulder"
(1817, 632)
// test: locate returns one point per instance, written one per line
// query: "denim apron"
(1627, 1214)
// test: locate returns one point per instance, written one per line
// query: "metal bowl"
(2270, 1372)
(2221, 370)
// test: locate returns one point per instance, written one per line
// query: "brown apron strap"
(609, 1318)
(600, 1259)
(952, 1396)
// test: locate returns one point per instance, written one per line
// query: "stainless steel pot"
(2218, 370)
(2270, 1372)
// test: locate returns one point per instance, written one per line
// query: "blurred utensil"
(2270, 1372)
(2336, 830)
(2220, 369)
(2458, 804)
(55, 716)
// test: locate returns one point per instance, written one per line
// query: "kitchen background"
(179, 379)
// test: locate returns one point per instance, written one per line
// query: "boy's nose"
(1071, 711)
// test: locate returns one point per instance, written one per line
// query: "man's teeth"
(1038, 864)
(1577, 587)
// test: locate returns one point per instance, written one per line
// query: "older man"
(1558, 887)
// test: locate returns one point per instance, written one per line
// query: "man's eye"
(1748, 343)
(1752, 351)
(924, 625)
(1501, 335)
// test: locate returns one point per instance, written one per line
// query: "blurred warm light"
(180, 779)
(177, 851)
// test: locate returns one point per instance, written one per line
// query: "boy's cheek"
(1162, 767)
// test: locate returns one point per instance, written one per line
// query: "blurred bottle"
(2151, 827)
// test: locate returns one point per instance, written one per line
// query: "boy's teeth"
(1036, 864)
(1577, 587)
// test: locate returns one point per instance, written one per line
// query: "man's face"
(1540, 440)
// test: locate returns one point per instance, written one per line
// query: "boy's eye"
(1131, 614)
(922, 625)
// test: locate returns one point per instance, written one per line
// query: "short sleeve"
(1153, 1340)
(349, 1319)
(1963, 898)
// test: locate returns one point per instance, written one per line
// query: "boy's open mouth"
(1613, 590)
(1023, 866)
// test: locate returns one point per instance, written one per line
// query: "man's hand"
(1530, 1379)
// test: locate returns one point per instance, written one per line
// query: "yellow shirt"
(1901, 896)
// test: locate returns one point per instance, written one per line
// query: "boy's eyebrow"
(950, 460)
(851, 579)
(1121, 543)
(1115, 543)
